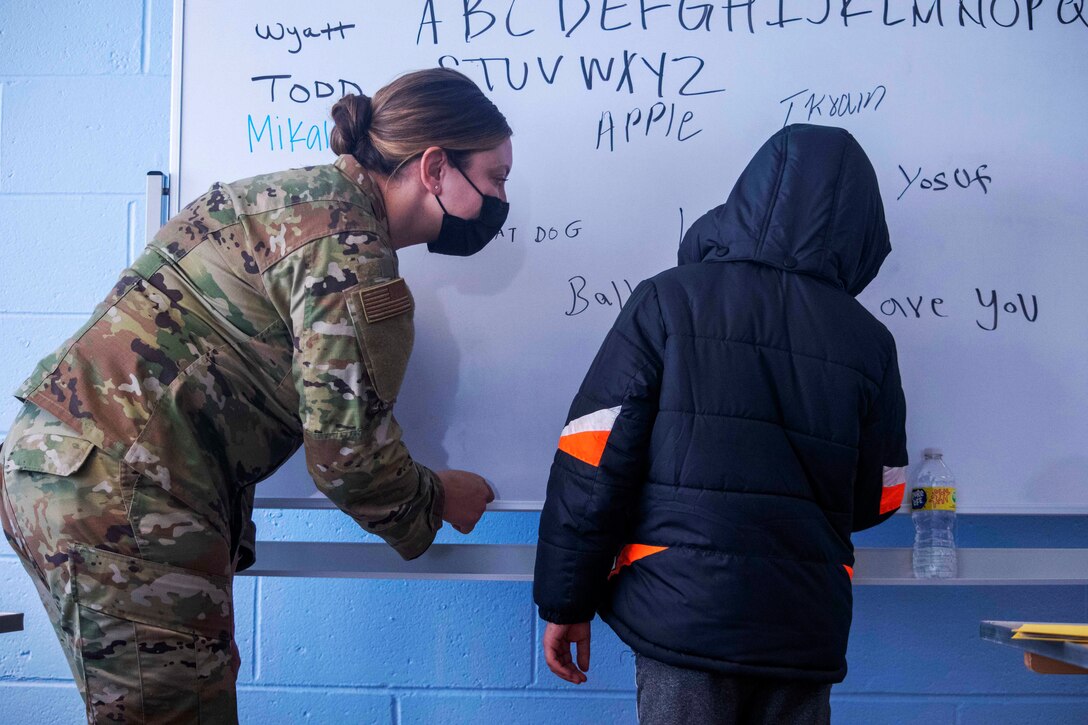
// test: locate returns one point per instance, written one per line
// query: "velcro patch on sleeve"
(386, 300)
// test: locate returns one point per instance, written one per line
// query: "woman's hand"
(467, 496)
(557, 641)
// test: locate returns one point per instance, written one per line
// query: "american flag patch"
(385, 300)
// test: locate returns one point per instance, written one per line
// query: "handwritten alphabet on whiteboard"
(674, 78)
(482, 17)
(628, 73)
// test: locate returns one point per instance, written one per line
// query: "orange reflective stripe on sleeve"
(632, 553)
(585, 438)
(849, 571)
(892, 497)
(895, 485)
(587, 447)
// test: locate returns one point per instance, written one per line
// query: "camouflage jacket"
(267, 314)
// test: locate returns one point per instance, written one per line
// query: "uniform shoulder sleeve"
(350, 317)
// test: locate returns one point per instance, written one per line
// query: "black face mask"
(464, 237)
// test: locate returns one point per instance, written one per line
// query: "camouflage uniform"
(267, 315)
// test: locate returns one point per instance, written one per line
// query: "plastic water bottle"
(933, 507)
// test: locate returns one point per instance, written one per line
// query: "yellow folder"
(1076, 633)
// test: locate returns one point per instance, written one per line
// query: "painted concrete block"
(470, 709)
(71, 38)
(394, 633)
(499, 527)
(1035, 711)
(333, 707)
(159, 23)
(93, 134)
(925, 639)
(880, 710)
(301, 525)
(40, 703)
(61, 253)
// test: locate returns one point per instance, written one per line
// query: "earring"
(436, 189)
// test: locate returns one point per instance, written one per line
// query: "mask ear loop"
(440, 204)
(468, 180)
(465, 176)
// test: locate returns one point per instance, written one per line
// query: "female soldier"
(269, 313)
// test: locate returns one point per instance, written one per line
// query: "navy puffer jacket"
(741, 419)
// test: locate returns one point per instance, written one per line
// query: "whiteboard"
(631, 119)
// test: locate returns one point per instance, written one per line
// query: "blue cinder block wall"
(84, 106)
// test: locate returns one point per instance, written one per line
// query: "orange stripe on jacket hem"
(892, 497)
(588, 446)
(632, 553)
(849, 571)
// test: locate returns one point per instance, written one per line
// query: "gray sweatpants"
(669, 695)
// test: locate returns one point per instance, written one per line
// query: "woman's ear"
(432, 167)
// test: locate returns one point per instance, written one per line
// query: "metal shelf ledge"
(1067, 652)
(514, 562)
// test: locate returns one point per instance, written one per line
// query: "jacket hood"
(808, 202)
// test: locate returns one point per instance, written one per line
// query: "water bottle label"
(933, 499)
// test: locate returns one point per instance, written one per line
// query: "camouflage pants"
(147, 640)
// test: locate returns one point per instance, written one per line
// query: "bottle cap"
(933, 453)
